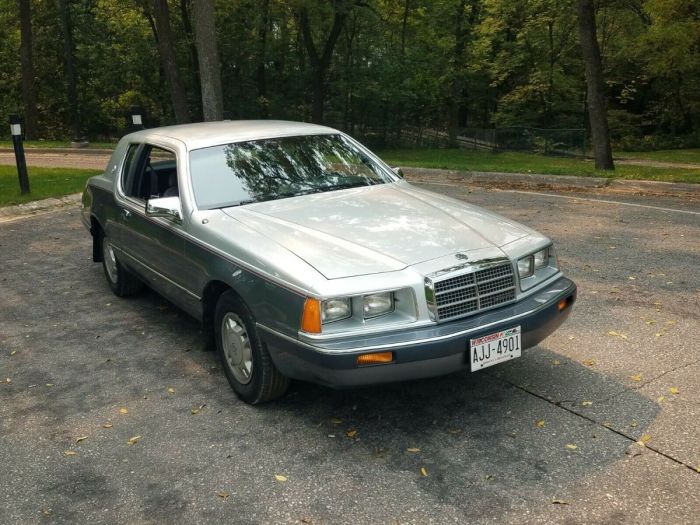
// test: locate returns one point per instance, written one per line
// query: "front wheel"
(120, 280)
(247, 363)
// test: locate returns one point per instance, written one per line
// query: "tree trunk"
(320, 63)
(260, 73)
(69, 64)
(185, 9)
(597, 113)
(209, 65)
(31, 116)
(456, 87)
(166, 48)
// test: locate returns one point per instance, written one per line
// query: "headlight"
(541, 258)
(537, 267)
(336, 309)
(377, 304)
(526, 266)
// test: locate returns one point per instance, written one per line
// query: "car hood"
(376, 229)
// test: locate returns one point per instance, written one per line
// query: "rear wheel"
(247, 363)
(120, 280)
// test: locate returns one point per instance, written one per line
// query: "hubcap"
(237, 349)
(110, 260)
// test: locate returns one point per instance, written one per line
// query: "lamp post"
(137, 117)
(16, 131)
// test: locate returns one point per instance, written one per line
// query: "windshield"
(269, 169)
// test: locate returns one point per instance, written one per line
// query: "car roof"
(204, 134)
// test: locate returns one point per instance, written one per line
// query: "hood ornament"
(462, 256)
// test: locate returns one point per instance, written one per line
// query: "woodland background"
(73, 69)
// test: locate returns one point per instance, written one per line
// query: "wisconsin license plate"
(494, 348)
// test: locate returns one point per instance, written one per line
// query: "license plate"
(494, 348)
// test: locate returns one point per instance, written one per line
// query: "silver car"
(306, 257)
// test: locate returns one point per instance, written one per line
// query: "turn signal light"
(564, 303)
(375, 358)
(311, 318)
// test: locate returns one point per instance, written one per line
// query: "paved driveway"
(546, 438)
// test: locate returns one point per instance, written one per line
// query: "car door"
(154, 246)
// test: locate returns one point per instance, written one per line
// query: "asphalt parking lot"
(548, 438)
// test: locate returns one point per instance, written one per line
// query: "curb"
(61, 151)
(559, 182)
(9, 213)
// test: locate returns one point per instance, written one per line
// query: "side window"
(152, 173)
(128, 169)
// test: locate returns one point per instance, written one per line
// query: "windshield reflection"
(270, 169)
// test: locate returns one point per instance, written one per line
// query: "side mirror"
(166, 207)
(398, 171)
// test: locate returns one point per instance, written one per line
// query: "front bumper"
(418, 353)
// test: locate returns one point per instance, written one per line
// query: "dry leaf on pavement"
(133, 440)
(423, 471)
(280, 478)
(171, 390)
(674, 390)
(223, 494)
(571, 446)
(637, 377)
(412, 449)
(540, 423)
(81, 438)
(107, 425)
(586, 403)
(123, 410)
(70, 453)
(559, 502)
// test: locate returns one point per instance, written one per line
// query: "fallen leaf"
(670, 323)
(540, 423)
(673, 390)
(617, 334)
(70, 453)
(632, 278)
(305, 519)
(423, 471)
(280, 478)
(197, 410)
(351, 433)
(223, 494)
(8, 380)
(455, 430)
(133, 440)
(559, 502)
(336, 421)
(645, 438)
(589, 362)
(586, 403)
(556, 362)
(81, 438)
(660, 399)
(637, 377)
(412, 449)
(123, 410)
(571, 338)
(571, 446)
(658, 334)
(651, 321)
(171, 390)
(107, 425)
(13, 352)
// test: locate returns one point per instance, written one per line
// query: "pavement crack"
(559, 404)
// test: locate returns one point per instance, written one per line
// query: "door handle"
(126, 214)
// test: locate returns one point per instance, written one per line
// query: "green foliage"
(397, 63)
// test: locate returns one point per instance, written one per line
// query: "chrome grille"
(472, 292)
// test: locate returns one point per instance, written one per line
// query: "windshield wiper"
(346, 186)
(234, 204)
